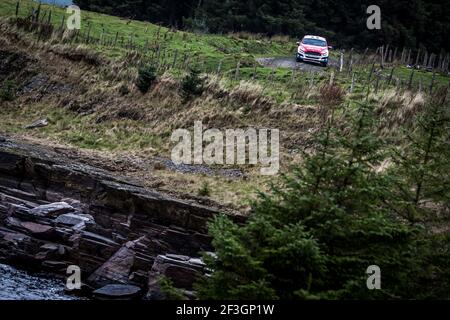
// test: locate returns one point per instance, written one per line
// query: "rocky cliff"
(56, 212)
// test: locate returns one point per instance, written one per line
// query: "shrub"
(124, 90)
(331, 95)
(146, 77)
(204, 191)
(167, 288)
(192, 84)
(7, 91)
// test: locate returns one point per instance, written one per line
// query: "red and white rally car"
(313, 49)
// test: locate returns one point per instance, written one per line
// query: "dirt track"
(290, 63)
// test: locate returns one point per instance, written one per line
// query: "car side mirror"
(298, 43)
(330, 47)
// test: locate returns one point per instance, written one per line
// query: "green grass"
(122, 137)
(80, 131)
(208, 50)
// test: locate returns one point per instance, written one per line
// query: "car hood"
(311, 48)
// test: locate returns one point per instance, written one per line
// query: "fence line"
(157, 52)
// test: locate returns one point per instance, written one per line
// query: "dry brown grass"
(282, 38)
(250, 95)
(78, 53)
(331, 95)
(397, 109)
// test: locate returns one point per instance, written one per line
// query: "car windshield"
(315, 42)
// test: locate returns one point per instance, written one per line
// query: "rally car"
(313, 49)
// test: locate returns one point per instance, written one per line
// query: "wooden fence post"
(254, 70)
(175, 57)
(101, 36)
(17, 7)
(364, 56)
(390, 76)
(115, 39)
(425, 59)
(432, 81)
(88, 33)
(43, 17)
(417, 58)
(410, 79)
(377, 83)
(350, 62)
(402, 58)
(439, 60)
(62, 22)
(219, 67)
(353, 82)
(38, 12)
(386, 54)
(371, 72)
(236, 74)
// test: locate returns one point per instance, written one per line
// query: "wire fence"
(372, 69)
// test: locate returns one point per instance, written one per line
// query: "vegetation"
(7, 91)
(112, 117)
(315, 235)
(167, 288)
(192, 84)
(146, 76)
(424, 164)
(204, 191)
(372, 189)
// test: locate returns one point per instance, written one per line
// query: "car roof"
(314, 37)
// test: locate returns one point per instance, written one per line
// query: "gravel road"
(290, 63)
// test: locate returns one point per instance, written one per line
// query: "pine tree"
(423, 166)
(314, 235)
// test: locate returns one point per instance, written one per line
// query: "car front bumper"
(312, 58)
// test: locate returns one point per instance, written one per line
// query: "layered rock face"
(55, 213)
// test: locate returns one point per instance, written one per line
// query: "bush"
(7, 91)
(331, 95)
(167, 288)
(146, 77)
(204, 191)
(124, 90)
(192, 84)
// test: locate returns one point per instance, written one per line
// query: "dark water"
(20, 285)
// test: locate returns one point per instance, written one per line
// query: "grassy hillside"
(233, 54)
(87, 91)
(210, 48)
